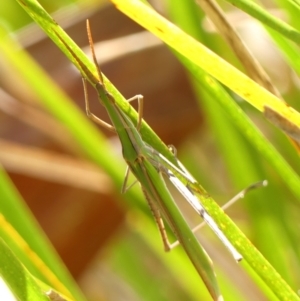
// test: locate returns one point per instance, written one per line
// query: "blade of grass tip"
(266, 18)
(202, 57)
(252, 66)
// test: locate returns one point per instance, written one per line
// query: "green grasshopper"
(144, 152)
(148, 165)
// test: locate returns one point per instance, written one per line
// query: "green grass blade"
(195, 252)
(292, 8)
(257, 12)
(93, 144)
(20, 281)
(18, 215)
(189, 286)
(240, 156)
(254, 260)
(288, 49)
(237, 115)
(202, 57)
(58, 104)
(192, 67)
(57, 34)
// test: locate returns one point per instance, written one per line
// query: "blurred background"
(110, 247)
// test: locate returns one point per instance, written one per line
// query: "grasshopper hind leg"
(140, 99)
(159, 221)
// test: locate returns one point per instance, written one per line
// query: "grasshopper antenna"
(91, 42)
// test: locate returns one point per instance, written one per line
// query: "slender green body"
(138, 155)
